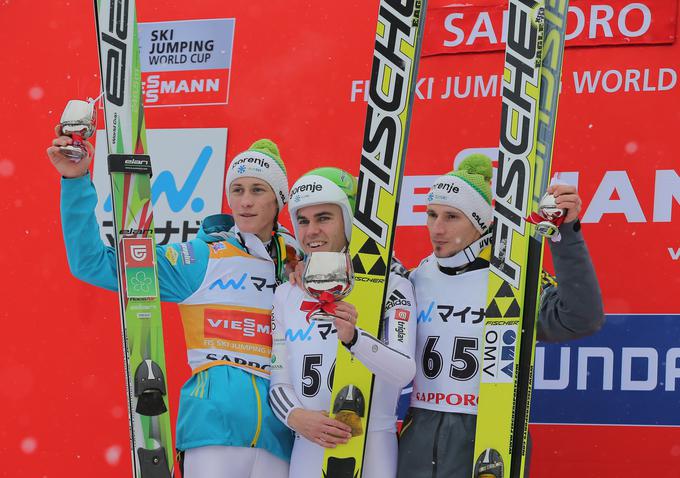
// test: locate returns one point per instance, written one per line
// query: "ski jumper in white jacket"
(303, 361)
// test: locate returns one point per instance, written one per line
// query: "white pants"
(233, 462)
(380, 459)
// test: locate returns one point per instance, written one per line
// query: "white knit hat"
(262, 160)
(468, 190)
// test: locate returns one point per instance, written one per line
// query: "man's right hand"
(66, 167)
(315, 426)
(295, 277)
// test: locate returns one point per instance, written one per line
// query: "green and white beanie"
(262, 160)
(325, 186)
(468, 189)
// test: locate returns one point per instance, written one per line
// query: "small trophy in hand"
(78, 121)
(328, 277)
(549, 217)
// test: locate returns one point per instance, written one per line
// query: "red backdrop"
(294, 67)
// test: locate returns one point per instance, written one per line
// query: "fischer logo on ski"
(383, 132)
(390, 100)
(514, 171)
(533, 66)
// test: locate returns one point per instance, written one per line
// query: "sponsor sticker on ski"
(138, 252)
(140, 279)
(499, 353)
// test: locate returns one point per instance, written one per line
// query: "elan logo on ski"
(113, 43)
(178, 195)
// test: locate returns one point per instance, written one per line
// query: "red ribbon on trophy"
(325, 303)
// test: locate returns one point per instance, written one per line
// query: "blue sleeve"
(180, 273)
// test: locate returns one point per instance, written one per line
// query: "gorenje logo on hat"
(259, 161)
(309, 187)
(449, 187)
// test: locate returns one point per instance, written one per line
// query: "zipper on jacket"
(259, 413)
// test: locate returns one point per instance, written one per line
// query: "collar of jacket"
(221, 227)
(216, 228)
(473, 257)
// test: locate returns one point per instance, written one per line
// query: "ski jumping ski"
(391, 93)
(130, 173)
(531, 83)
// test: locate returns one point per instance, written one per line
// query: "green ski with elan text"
(130, 172)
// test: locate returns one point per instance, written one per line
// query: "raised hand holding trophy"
(78, 121)
(549, 217)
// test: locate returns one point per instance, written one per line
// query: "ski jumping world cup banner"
(297, 72)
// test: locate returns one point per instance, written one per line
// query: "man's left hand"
(566, 197)
(346, 320)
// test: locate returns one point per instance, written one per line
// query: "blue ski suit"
(224, 284)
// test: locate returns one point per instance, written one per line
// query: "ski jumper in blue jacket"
(224, 284)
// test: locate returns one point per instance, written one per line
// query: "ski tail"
(530, 98)
(391, 94)
(139, 298)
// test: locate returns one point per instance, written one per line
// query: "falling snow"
(112, 455)
(631, 147)
(117, 412)
(6, 168)
(36, 93)
(29, 445)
